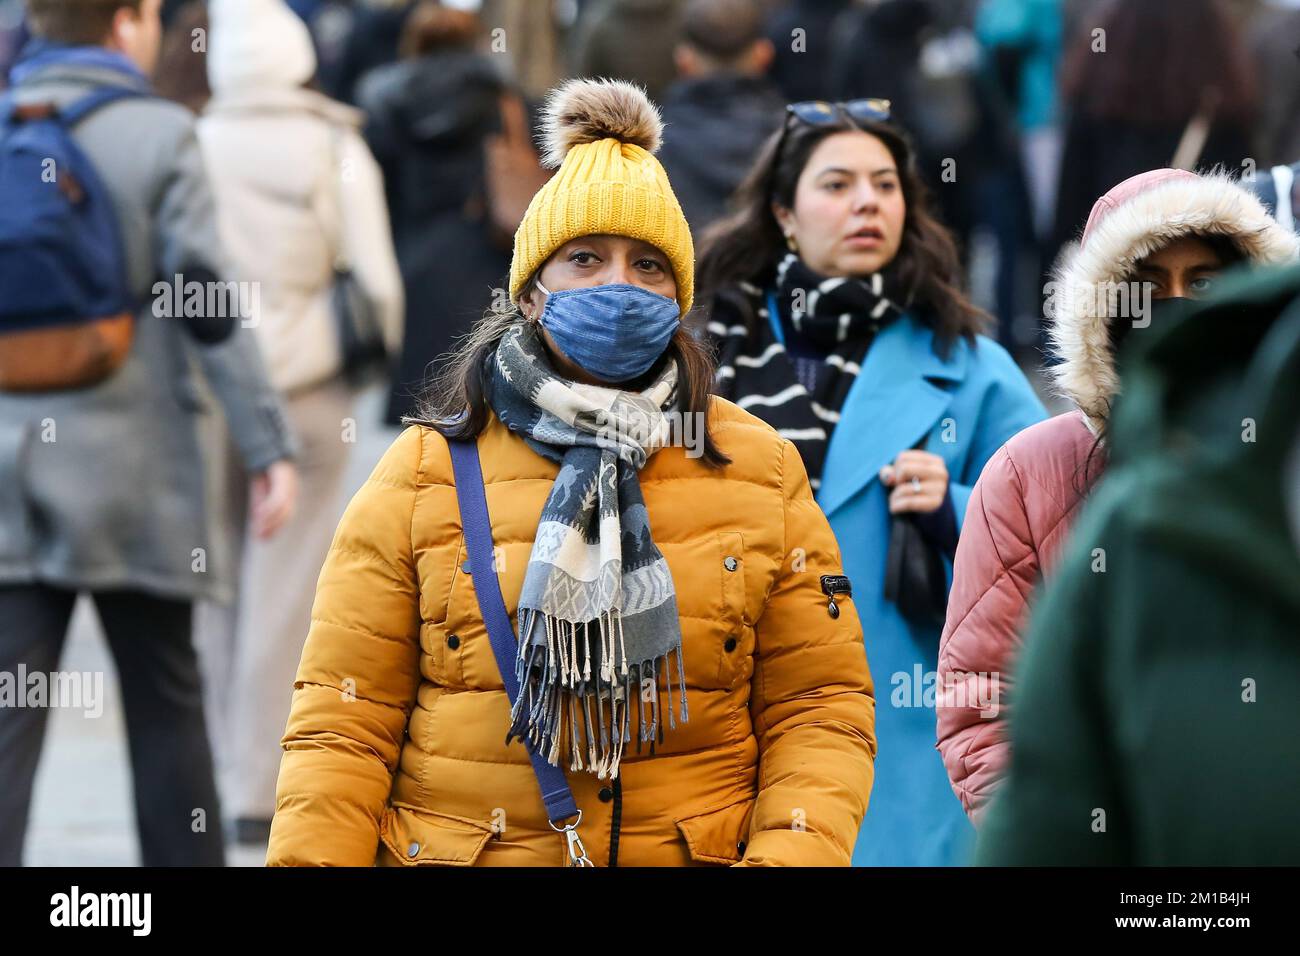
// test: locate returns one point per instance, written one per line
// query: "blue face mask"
(615, 332)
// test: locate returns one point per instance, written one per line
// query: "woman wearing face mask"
(1176, 231)
(836, 310)
(663, 643)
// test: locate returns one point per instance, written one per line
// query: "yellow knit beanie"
(602, 134)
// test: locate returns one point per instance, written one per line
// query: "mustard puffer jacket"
(395, 749)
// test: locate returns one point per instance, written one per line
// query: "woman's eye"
(887, 187)
(835, 186)
(582, 258)
(1201, 284)
(651, 265)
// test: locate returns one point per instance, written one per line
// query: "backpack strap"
(78, 110)
(12, 111)
(474, 520)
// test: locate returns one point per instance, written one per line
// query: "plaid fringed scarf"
(598, 611)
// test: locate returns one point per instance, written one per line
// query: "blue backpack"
(66, 308)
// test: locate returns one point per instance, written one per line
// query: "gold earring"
(791, 243)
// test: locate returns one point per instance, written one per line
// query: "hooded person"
(296, 191)
(1158, 236)
(432, 118)
(1155, 714)
(675, 611)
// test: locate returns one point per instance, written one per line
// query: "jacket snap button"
(731, 563)
(413, 849)
(464, 566)
(730, 645)
(453, 641)
(605, 794)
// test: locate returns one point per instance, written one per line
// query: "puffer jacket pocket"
(718, 835)
(419, 837)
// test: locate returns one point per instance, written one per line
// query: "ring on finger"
(916, 485)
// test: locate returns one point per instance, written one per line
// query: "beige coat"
(290, 176)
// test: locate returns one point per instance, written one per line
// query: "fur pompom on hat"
(1136, 218)
(601, 136)
(587, 111)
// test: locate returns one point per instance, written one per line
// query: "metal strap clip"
(573, 842)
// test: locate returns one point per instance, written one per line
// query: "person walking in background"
(834, 300)
(1154, 716)
(102, 485)
(1170, 228)
(295, 190)
(565, 397)
(804, 36)
(721, 109)
(631, 40)
(362, 38)
(961, 92)
(182, 74)
(539, 34)
(430, 118)
(1024, 37)
(1130, 110)
(1271, 40)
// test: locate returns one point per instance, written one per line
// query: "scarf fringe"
(553, 712)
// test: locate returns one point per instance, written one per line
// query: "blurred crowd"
(391, 146)
(1018, 123)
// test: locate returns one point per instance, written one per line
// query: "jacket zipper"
(616, 821)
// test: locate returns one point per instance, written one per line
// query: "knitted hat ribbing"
(602, 134)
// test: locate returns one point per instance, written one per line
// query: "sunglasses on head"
(823, 113)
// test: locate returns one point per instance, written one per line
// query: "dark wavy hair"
(1163, 58)
(456, 400)
(747, 245)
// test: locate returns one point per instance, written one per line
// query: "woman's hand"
(919, 481)
(274, 495)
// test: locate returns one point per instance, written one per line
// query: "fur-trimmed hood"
(1138, 217)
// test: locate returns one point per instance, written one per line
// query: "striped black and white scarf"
(839, 316)
(598, 610)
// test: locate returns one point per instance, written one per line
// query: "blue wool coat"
(965, 405)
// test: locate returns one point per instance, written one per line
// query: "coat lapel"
(902, 391)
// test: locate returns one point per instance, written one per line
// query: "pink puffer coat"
(1025, 501)
(1019, 515)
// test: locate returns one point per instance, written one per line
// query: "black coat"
(428, 120)
(804, 73)
(713, 128)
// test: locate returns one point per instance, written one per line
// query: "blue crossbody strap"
(556, 794)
